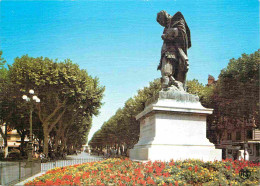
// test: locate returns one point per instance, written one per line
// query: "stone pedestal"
(173, 126)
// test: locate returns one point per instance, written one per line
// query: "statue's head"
(162, 18)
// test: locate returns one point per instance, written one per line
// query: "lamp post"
(31, 98)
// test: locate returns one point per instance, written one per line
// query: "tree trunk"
(57, 138)
(40, 144)
(46, 139)
(63, 142)
(4, 136)
(118, 149)
(47, 125)
(22, 142)
(56, 143)
(5, 142)
(68, 146)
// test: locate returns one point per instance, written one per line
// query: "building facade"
(233, 141)
(13, 139)
(234, 135)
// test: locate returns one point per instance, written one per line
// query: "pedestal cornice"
(174, 101)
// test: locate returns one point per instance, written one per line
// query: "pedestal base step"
(175, 152)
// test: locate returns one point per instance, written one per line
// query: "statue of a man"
(174, 61)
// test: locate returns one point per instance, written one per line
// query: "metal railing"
(14, 172)
(62, 163)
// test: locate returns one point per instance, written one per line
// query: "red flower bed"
(127, 172)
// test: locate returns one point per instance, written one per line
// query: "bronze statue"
(174, 61)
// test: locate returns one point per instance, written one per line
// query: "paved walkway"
(70, 160)
(30, 179)
(82, 155)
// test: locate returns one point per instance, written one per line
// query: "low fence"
(62, 163)
(14, 172)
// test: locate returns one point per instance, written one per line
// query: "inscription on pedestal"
(147, 128)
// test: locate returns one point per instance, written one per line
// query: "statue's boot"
(177, 84)
(165, 82)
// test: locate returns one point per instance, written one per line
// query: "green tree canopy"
(61, 86)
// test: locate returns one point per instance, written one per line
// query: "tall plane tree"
(59, 85)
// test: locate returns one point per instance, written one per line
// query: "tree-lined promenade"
(234, 97)
(69, 99)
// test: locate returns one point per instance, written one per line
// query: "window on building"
(249, 134)
(229, 136)
(238, 135)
